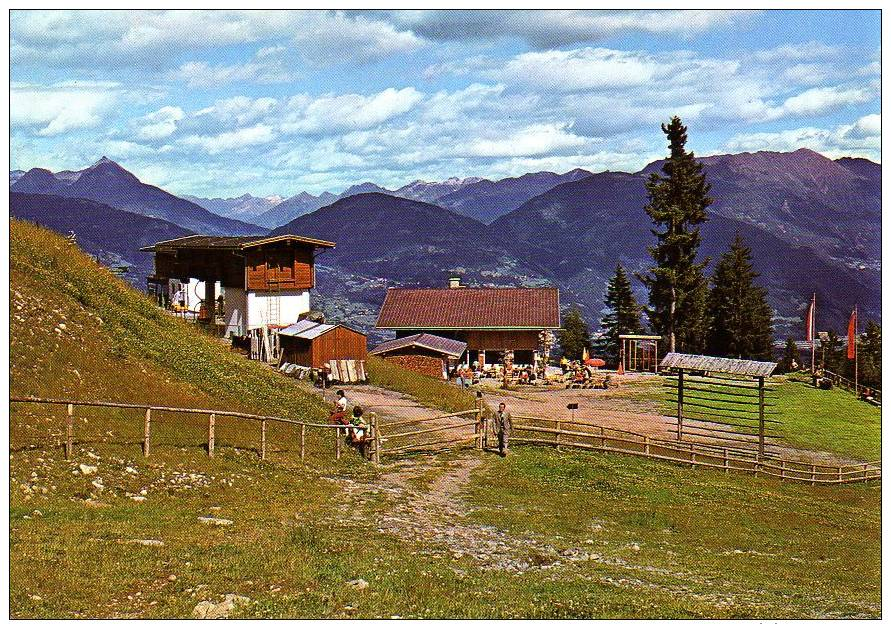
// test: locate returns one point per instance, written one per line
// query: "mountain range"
(814, 225)
(244, 208)
(106, 182)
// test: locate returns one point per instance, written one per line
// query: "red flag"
(852, 335)
(809, 322)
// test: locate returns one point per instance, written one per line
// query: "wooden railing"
(407, 440)
(563, 433)
(850, 386)
(340, 431)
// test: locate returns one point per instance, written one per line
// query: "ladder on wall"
(274, 303)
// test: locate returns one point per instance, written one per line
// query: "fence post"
(647, 446)
(839, 474)
(146, 443)
(337, 445)
(557, 435)
(726, 462)
(782, 470)
(760, 418)
(375, 440)
(680, 404)
(813, 474)
(69, 431)
(263, 439)
(211, 434)
(602, 439)
(302, 441)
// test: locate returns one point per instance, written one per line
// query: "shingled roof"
(231, 243)
(686, 361)
(446, 346)
(470, 308)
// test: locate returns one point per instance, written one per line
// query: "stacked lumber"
(348, 371)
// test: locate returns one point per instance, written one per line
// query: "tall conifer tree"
(791, 360)
(575, 336)
(741, 318)
(623, 316)
(678, 301)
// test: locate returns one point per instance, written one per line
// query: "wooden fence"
(562, 433)
(421, 437)
(339, 432)
(849, 385)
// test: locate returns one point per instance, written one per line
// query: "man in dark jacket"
(503, 426)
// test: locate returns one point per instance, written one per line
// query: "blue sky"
(223, 103)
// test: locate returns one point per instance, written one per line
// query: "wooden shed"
(426, 354)
(312, 344)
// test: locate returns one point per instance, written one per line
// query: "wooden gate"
(463, 429)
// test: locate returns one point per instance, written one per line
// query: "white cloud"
(861, 138)
(352, 111)
(160, 124)
(231, 141)
(585, 68)
(239, 110)
(154, 39)
(61, 107)
(797, 52)
(530, 141)
(821, 100)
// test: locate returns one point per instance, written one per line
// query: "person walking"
(503, 428)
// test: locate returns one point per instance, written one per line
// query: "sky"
(220, 103)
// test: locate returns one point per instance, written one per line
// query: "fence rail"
(409, 440)
(850, 386)
(339, 431)
(595, 437)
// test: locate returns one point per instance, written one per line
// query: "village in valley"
(598, 394)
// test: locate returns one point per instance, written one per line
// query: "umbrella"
(595, 362)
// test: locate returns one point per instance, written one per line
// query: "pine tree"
(623, 316)
(678, 302)
(870, 356)
(741, 317)
(832, 353)
(575, 336)
(791, 360)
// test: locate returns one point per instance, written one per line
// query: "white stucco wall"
(235, 310)
(292, 304)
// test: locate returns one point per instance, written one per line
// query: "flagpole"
(856, 330)
(813, 331)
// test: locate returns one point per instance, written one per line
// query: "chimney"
(455, 282)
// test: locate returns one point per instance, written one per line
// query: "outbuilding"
(492, 321)
(312, 344)
(426, 354)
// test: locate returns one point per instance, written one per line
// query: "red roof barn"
(487, 319)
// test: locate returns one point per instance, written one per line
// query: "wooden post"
(646, 445)
(146, 443)
(782, 470)
(375, 440)
(302, 441)
(481, 423)
(263, 439)
(839, 474)
(692, 458)
(760, 418)
(813, 474)
(680, 404)
(211, 426)
(602, 439)
(726, 462)
(337, 444)
(69, 432)
(557, 435)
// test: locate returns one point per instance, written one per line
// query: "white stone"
(88, 470)
(215, 521)
(358, 584)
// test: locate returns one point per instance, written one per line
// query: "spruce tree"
(741, 318)
(870, 355)
(832, 353)
(575, 336)
(678, 301)
(791, 360)
(623, 316)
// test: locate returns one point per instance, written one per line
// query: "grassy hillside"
(540, 534)
(427, 390)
